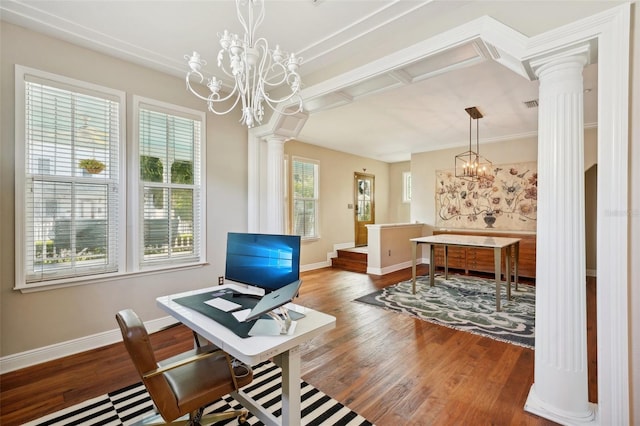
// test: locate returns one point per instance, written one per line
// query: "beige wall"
(399, 212)
(34, 320)
(424, 166)
(336, 221)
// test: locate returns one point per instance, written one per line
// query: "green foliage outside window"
(151, 169)
(182, 172)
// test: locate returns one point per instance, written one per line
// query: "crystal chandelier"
(470, 165)
(253, 67)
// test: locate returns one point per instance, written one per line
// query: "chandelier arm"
(250, 26)
(210, 107)
(283, 112)
(224, 70)
(213, 97)
(258, 21)
(193, 91)
(272, 101)
(239, 13)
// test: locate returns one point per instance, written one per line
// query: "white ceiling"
(421, 107)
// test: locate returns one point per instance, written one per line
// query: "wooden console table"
(472, 259)
(511, 246)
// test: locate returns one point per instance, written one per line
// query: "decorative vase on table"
(489, 219)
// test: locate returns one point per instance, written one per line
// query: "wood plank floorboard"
(392, 369)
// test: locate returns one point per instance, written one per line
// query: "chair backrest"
(136, 340)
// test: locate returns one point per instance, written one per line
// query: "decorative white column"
(275, 185)
(560, 389)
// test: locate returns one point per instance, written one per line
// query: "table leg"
(498, 268)
(414, 254)
(432, 264)
(508, 271)
(446, 262)
(289, 362)
(516, 258)
(256, 409)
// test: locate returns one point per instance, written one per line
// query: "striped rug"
(130, 405)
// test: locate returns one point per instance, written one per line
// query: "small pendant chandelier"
(254, 68)
(470, 165)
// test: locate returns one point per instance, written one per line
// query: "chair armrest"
(188, 360)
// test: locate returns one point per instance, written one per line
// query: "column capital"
(583, 53)
(276, 139)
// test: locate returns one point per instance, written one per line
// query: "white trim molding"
(49, 353)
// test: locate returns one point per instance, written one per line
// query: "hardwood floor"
(390, 368)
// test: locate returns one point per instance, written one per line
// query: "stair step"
(349, 265)
(350, 260)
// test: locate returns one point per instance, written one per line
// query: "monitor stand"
(282, 322)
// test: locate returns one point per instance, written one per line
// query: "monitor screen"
(268, 261)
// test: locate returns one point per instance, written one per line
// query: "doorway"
(364, 201)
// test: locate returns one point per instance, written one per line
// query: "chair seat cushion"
(202, 382)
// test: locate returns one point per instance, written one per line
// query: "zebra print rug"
(132, 404)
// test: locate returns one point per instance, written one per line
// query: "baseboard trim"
(312, 266)
(49, 353)
(394, 268)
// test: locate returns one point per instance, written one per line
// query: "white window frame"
(316, 198)
(138, 263)
(21, 74)
(128, 194)
(406, 187)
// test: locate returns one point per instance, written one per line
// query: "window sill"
(98, 279)
(310, 239)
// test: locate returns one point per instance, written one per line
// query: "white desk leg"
(289, 361)
(498, 266)
(256, 409)
(414, 254)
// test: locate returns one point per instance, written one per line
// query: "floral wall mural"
(505, 200)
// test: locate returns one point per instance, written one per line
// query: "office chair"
(186, 383)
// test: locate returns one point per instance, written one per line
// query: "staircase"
(351, 259)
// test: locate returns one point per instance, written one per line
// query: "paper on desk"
(241, 315)
(223, 304)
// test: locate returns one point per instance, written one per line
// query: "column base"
(535, 405)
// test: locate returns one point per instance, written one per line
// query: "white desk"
(285, 350)
(511, 246)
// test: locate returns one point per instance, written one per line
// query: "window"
(406, 187)
(170, 205)
(72, 183)
(68, 215)
(304, 188)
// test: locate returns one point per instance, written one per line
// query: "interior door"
(364, 201)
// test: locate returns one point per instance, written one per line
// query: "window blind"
(71, 181)
(169, 159)
(305, 197)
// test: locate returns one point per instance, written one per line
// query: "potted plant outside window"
(91, 165)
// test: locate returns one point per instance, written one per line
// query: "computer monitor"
(267, 261)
